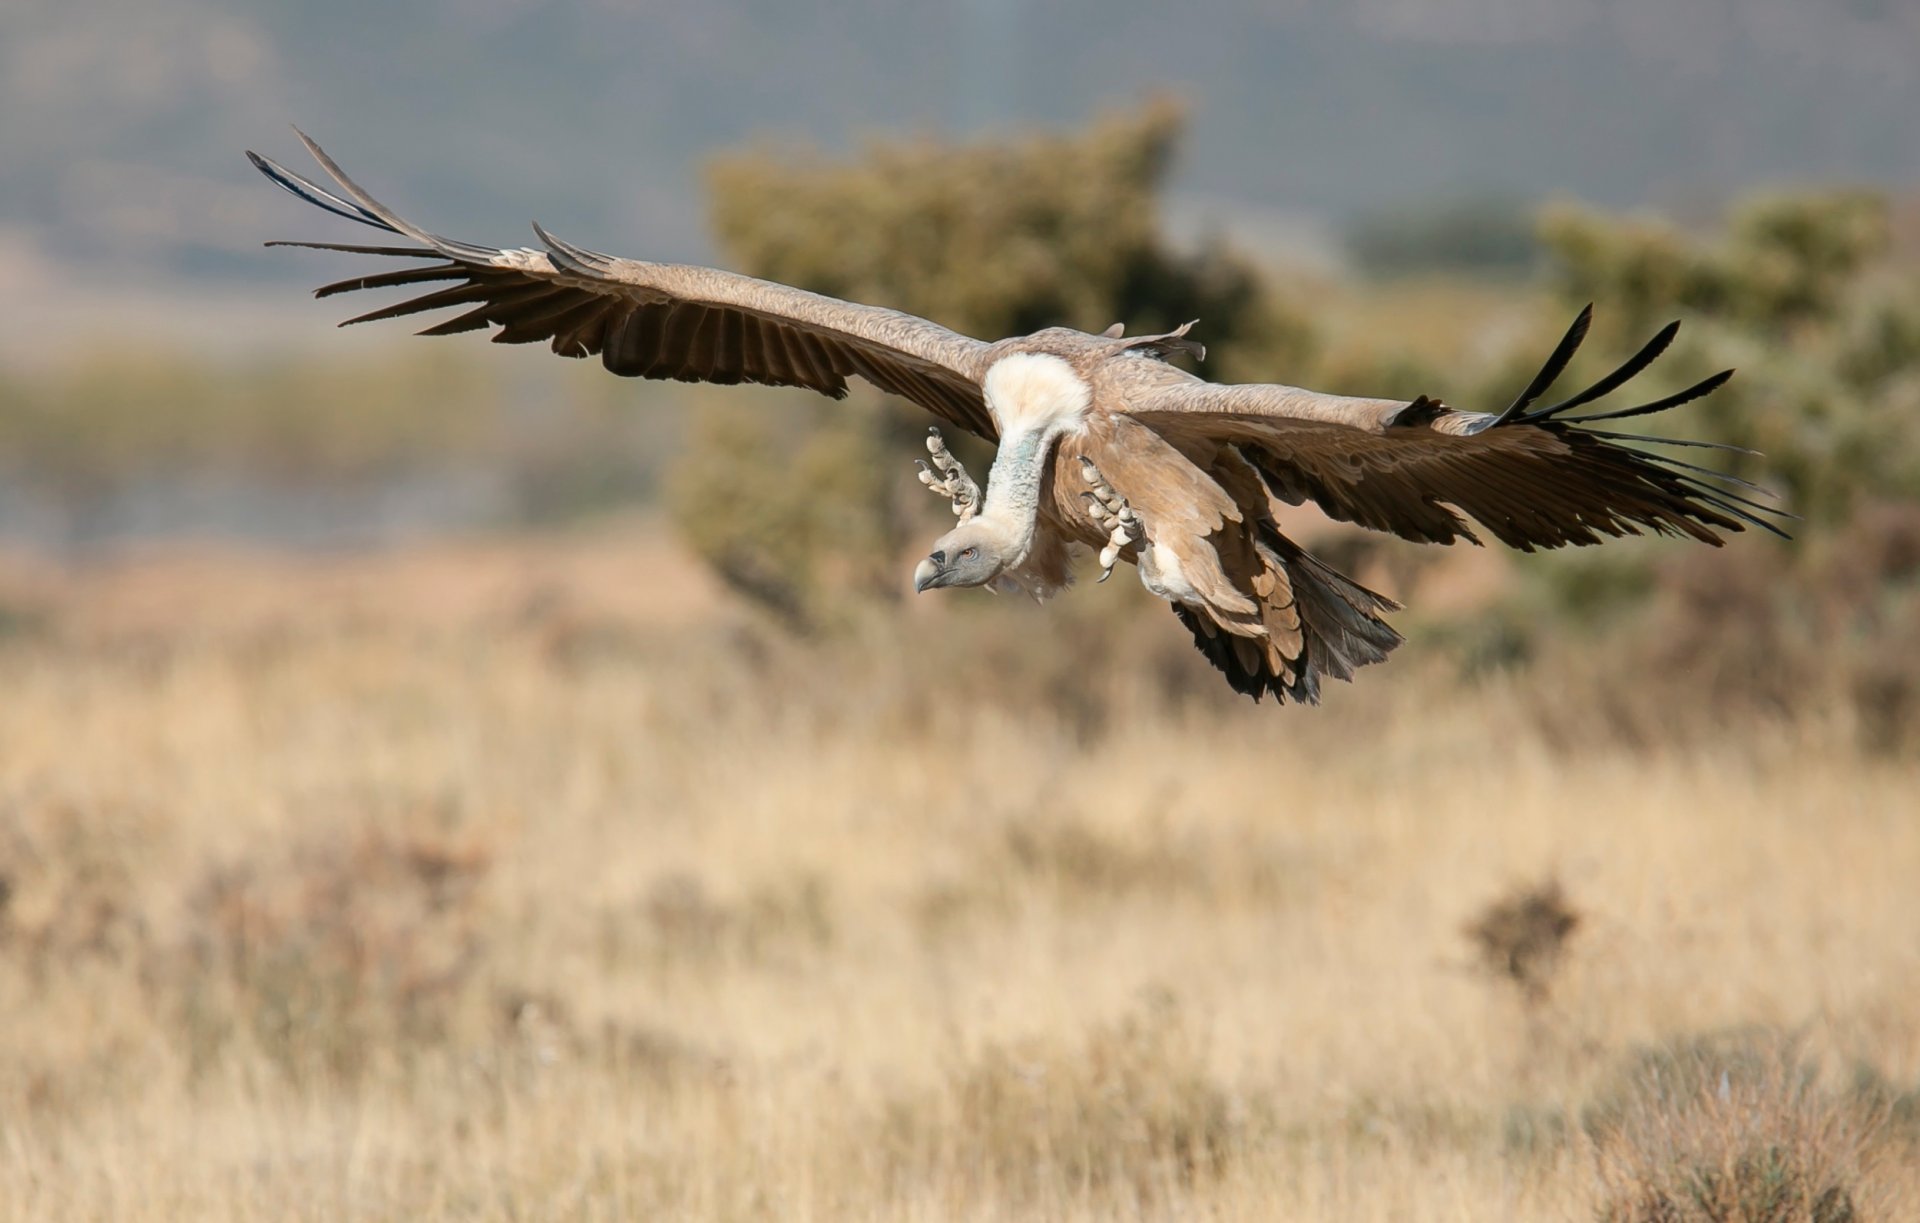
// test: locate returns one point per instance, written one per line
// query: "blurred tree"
(1802, 296)
(993, 239)
(1805, 296)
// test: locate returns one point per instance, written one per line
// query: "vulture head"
(972, 554)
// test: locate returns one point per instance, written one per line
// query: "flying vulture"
(1101, 441)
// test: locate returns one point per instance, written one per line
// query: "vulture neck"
(1012, 503)
(1034, 399)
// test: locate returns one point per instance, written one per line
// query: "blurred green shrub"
(992, 238)
(805, 522)
(1805, 296)
(999, 237)
(1802, 295)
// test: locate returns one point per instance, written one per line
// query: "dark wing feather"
(655, 320)
(1532, 479)
(1555, 366)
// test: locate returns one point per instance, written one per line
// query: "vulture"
(1102, 442)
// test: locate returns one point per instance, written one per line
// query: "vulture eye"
(969, 554)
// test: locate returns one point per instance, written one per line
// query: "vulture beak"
(926, 573)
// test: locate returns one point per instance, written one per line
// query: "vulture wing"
(655, 320)
(1534, 477)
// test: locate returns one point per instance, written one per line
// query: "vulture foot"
(1112, 512)
(953, 482)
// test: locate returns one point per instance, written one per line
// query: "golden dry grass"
(503, 882)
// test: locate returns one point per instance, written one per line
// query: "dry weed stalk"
(1736, 1129)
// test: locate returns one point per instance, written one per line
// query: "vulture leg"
(1111, 511)
(953, 482)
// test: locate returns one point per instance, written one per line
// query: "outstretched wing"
(656, 320)
(1534, 477)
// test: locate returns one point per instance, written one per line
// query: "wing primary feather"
(387, 217)
(570, 326)
(543, 312)
(1700, 493)
(1666, 441)
(1614, 381)
(315, 194)
(1704, 387)
(390, 280)
(456, 296)
(1667, 460)
(1724, 495)
(497, 298)
(353, 248)
(1556, 364)
(1661, 499)
(472, 320)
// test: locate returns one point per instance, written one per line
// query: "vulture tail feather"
(1340, 620)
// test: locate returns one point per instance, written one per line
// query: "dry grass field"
(534, 881)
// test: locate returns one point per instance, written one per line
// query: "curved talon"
(1109, 509)
(952, 482)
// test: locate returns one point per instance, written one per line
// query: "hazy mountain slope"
(124, 118)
